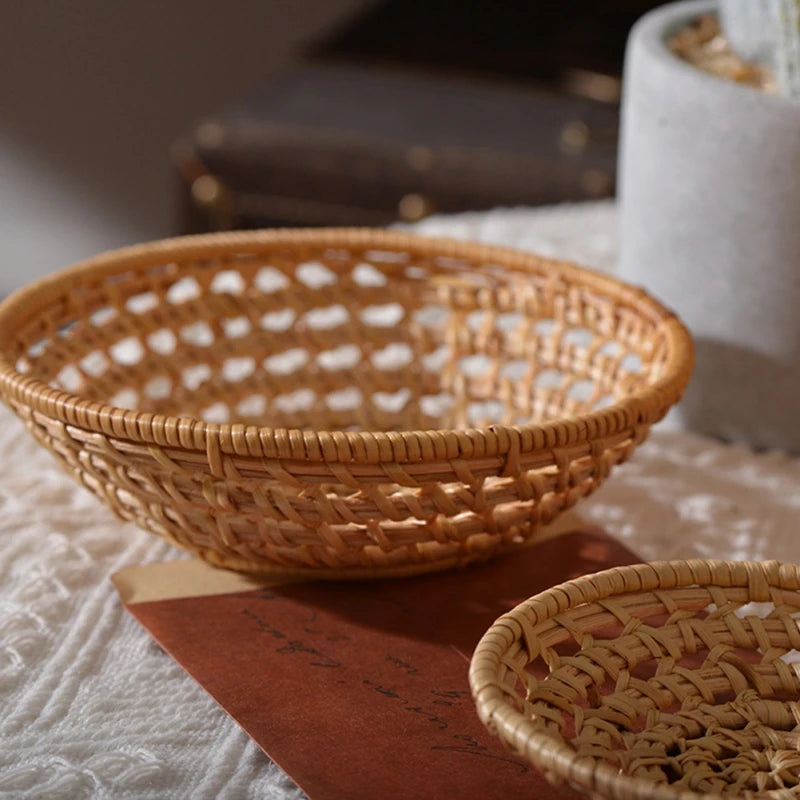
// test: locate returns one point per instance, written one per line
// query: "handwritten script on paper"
(359, 690)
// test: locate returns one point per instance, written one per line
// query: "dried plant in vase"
(766, 32)
(753, 42)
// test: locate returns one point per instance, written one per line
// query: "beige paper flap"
(171, 579)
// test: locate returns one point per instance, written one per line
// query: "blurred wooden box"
(419, 108)
(346, 145)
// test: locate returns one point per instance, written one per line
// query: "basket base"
(567, 521)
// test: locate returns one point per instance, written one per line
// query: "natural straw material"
(338, 402)
(664, 680)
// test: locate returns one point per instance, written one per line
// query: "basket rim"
(640, 409)
(545, 751)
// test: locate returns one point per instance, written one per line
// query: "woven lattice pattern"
(351, 401)
(671, 679)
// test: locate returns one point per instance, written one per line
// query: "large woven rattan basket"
(338, 402)
(676, 679)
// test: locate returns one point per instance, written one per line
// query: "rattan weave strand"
(347, 402)
(660, 681)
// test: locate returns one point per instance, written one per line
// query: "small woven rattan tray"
(338, 402)
(664, 680)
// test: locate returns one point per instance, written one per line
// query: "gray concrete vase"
(709, 183)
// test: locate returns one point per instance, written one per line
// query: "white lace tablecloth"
(91, 707)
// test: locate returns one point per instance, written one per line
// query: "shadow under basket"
(674, 680)
(338, 402)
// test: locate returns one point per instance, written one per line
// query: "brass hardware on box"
(413, 207)
(597, 183)
(420, 158)
(574, 137)
(206, 190)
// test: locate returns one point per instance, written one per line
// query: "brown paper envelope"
(359, 689)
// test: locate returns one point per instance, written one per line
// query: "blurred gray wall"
(92, 93)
